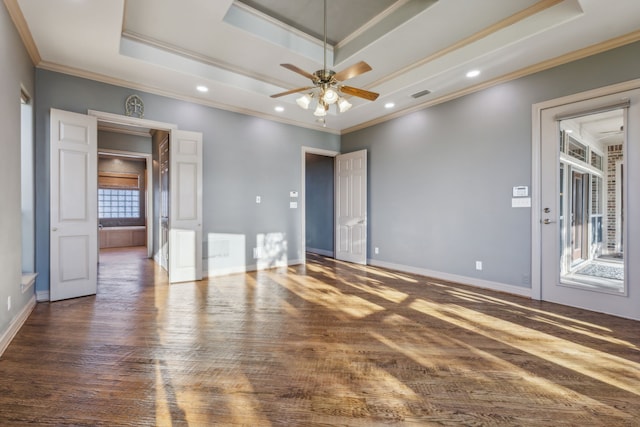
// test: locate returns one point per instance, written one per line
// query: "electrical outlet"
(8, 303)
(478, 265)
(376, 250)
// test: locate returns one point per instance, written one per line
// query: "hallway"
(327, 344)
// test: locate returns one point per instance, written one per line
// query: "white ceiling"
(169, 47)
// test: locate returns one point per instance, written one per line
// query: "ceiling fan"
(327, 84)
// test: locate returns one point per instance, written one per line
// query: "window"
(27, 183)
(118, 204)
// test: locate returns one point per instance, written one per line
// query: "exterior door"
(351, 207)
(578, 217)
(185, 206)
(73, 205)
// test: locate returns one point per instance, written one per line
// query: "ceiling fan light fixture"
(343, 105)
(304, 101)
(321, 111)
(330, 96)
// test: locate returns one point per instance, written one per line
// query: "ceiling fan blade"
(350, 72)
(289, 92)
(360, 93)
(299, 71)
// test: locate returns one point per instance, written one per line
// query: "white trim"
(302, 201)
(463, 280)
(28, 280)
(131, 121)
(322, 252)
(536, 164)
(148, 189)
(240, 269)
(42, 296)
(16, 324)
(619, 199)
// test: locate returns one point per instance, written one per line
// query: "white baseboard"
(42, 296)
(16, 324)
(463, 280)
(322, 252)
(238, 269)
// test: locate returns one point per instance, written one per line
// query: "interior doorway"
(317, 202)
(125, 200)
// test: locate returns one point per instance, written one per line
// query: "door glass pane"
(591, 202)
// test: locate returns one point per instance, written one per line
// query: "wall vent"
(421, 93)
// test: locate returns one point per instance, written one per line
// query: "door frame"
(117, 119)
(148, 189)
(536, 168)
(302, 200)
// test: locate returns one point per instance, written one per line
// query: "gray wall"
(440, 179)
(124, 142)
(244, 157)
(16, 69)
(319, 202)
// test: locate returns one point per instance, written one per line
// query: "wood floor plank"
(324, 344)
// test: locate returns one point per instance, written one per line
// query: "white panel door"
(185, 205)
(588, 281)
(351, 207)
(73, 204)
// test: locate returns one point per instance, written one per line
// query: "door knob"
(547, 210)
(547, 221)
(54, 229)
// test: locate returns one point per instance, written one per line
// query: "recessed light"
(473, 73)
(389, 105)
(202, 89)
(279, 109)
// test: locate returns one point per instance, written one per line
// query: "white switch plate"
(293, 205)
(478, 265)
(293, 194)
(258, 199)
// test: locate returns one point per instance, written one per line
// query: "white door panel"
(185, 218)
(73, 214)
(563, 276)
(351, 206)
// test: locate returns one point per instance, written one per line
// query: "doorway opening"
(317, 201)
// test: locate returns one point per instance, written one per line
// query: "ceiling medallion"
(134, 106)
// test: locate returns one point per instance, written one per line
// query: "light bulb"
(304, 101)
(343, 105)
(330, 96)
(320, 111)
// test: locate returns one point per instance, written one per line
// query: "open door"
(185, 205)
(73, 204)
(351, 207)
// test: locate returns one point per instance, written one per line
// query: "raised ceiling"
(235, 47)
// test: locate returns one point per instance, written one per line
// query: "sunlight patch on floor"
(602, 366)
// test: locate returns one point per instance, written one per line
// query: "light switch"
(258, 200)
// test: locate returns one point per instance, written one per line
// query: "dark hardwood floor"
(323, 345)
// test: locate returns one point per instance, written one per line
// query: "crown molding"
(50, 66)
(523, 72)
(23, 30)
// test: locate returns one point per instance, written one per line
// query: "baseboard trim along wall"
(224, 271)
(42, 296)
(16, 324)
(463, 280)
(322, 252)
